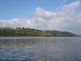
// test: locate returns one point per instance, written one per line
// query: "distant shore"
(27, 32)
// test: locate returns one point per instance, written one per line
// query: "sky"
(62, 15)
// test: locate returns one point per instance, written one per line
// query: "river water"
(40, 48)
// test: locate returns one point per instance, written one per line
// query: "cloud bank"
(65, 19)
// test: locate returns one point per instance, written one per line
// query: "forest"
(34, 32)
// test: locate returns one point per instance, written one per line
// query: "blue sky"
(23, 8)
(64, 15)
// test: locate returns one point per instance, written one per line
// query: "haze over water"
(40, 49)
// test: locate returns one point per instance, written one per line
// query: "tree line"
(33, 32)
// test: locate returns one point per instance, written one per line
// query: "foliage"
(33, 32)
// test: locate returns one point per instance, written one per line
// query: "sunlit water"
(40, 48)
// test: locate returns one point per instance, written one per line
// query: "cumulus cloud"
(42, 13)
(16, 22)
(66, 19)
(67, 9)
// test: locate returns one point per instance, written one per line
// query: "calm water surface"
(40, 48)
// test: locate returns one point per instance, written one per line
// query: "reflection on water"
(40, 49)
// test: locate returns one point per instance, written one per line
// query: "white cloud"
(16, 23)
(67, 19)
(41, 12)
